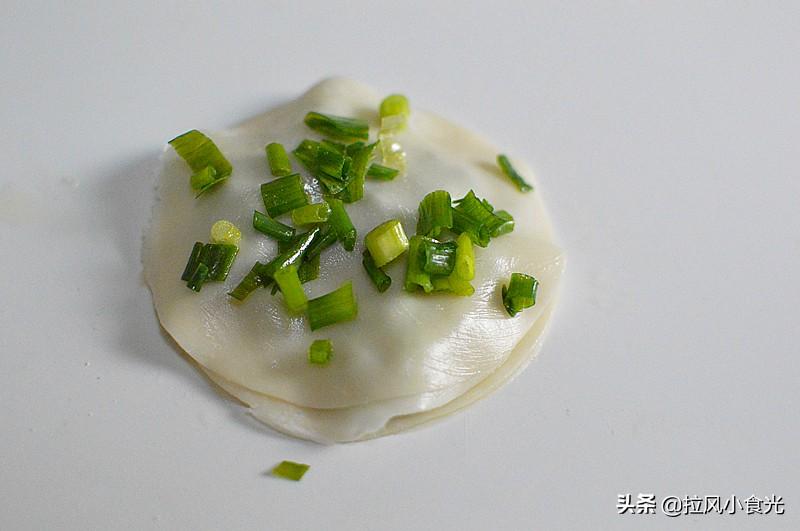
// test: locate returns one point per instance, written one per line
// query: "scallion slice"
(223, 231)
(337, 127)
(200, 152)
(381, 173)
(465, 258)
(278, 160)
(320, 352)
(248, 284)
(435, 214)
(290, 470)
(283, 195)
(381, 280)
(395, 104)
(386, 242)
(218, 257)
(291, 256)
(520, 293)
(204, 179)
(507, 225)
(194, 259)
(306, 152)
(440, 257)
(334, 307)
(198, 277)
(509, 171)
(361, 157)
(476, 218)
(315, 213)
(415, 275)
(330, 159)
(324, 239)
(309, 269)
(275, 229)
(289, 284)
(341, 224)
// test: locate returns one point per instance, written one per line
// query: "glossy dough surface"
(408, 358)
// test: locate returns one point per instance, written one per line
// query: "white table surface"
(665, 139)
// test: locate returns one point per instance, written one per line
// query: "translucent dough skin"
(408, 357)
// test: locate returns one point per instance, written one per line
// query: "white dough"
(408, 357)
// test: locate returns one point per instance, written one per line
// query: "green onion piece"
(507, 225)
(248, 284)
(291, 256)
(337, 126)
(465, 258)
(330, 159)
(453, 285)
(283, 195)
(341, 225)
(381, 280)
(353, 148)
(203, 179)
(320, 352)
(316, 213)
(381, 173)
(266, 225)
(511, 173)
(520, 293)
(194, 259)
(476, 218)
(218, 257)
(306, 153)
(415, 276)
(324, 239)
(440, 257)
(289, 284)
(435, 214)
(334, 307)
(358, 171)
(223, 231)
(290, 470)
(198, 277)
(395, 104)
(309, 269)
(200, 152)
(278, 160)
(386, 242)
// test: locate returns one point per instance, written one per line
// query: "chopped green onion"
(337, 126)
(306, 152)
(330, 160)
(453, 285)
(381, 173)
(415, 276)
(289, 284)
(476, 218)
(381, 280)
(194, 259)
(511, 173)
(507, 225)
(249, 283)
(334, 307)
(435, 214)
(203, 179)
(392, 153)
(465, 258)
(278, 160)
(315, 213)
(357, 172)
(324, 239)
(341, 225)
(320, 352)
(218, 257)
(200, 152)
(223, 231)
(440, 257)
(291, 256)
(386, 242)
(266, 225)
(520, 293)
(198, 277)
(309, 269)
(395, 104)
(283, 195)
(290, 470)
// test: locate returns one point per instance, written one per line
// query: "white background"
(665, 140)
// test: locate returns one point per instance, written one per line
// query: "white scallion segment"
(388, 363)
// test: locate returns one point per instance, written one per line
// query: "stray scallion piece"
(284, 194)
(435, 214)
(306, 215)
(415, 275)
(337, 127)
(198, 277)
(520, 293)
(278, 160)
(341, 225)
(320, 352)
(361, 155)
(395, 104)
(509, 171)
(334, 307)
(266, 225)
(440, 257)
(208, 262)
(292, 289)
(507, 225)
(386, 242)
(194, 259)
(223, 231)
(381, 280)
(381, 173)
(208, 164)
(248, 284)
(477, 218)
(290, 470)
